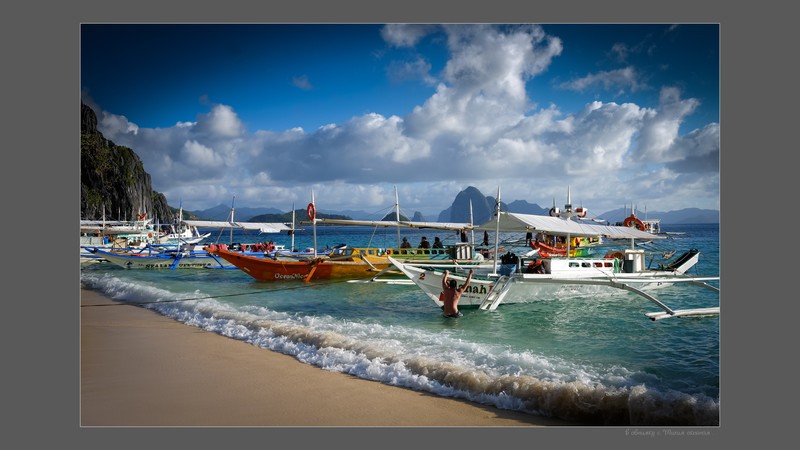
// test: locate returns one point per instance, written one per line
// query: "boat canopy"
(561, 227)
(394, 223)
(264, 227)
(103, 222)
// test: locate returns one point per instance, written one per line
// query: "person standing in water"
(451, 293)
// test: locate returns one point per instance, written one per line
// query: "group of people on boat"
(258, 247)
(423, 243)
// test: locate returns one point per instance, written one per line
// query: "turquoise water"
(588, 359)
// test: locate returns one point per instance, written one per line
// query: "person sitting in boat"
(405, 243)
(437, 243)
(424, 243)
(508, 263)
(535, 266)
(451, 294)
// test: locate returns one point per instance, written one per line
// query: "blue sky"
(617, 113)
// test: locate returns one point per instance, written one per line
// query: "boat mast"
(293, 214)
(633, 213)
(497, 233)
(314, 223)
(568, 208)
(232, 211)
(472, 230)
(397, 214)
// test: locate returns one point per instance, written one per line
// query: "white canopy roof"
(264, 227)
(562, 227)
(393, 223)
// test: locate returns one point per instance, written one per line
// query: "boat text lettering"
(480, 289)
(290, 276)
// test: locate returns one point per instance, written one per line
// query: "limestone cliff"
(113, 178)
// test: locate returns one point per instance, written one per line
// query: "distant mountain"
(483, 210)
(355, 214)
(219, 212)
(243, 214)
(392, 216)
(681, 216)
(523, 207)
(482, 207)
(300, 215)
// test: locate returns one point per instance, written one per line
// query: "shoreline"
(141, 369)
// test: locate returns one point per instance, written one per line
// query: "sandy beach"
(140, 369)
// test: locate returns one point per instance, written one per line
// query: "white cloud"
(405, 35)
(220, 122)
(302, 82)
(114, 125)
(484, 94)
(659, 132)
(417, 69)
(479, 128)
(198, 155)
(621, 80)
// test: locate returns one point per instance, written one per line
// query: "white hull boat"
(552, 276)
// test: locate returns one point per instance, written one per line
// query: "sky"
(616, 114)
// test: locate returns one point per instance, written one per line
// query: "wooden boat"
(354, 263)
(181, 232)
(149, 258)
(344, 262)
(624, 270)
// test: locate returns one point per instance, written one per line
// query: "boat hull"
(160, 261)
(266, 269)
(529, 287)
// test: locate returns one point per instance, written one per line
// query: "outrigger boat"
(182, 254)
(546, 277)
(460, 251)
(181, 232)
(151, 258)
(650, 225)
(343, 262)
(231, 224)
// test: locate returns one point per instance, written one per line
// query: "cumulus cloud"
(405, 35)
(659, 132)
(302, 82)
(113, 124)
(621, 80)
(417, 69)
(198, 155)
(480, 127)
(484, 93)
(221, 122)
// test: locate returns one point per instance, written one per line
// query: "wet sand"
(141, 369)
